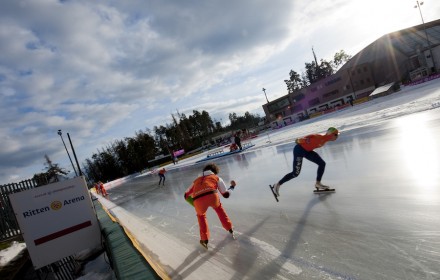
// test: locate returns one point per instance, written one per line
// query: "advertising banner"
(178, 153)
(56, 220)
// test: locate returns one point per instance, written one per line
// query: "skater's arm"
(221, 185)
(313, 141)
(305, 140)
(189, 191)
(302, 140)
(233, 184)
(222, 188)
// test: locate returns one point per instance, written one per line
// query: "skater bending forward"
(304, 148)
(204, 191)
(162, 176)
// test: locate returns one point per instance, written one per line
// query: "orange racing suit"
(313, 141)
(204, 191)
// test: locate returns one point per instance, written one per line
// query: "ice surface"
(381, 223)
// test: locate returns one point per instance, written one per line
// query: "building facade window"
(297, 107)
(277, 105)
(333, 92)
(415, 62)
(314, 101)
(299, 97)
(333, 81)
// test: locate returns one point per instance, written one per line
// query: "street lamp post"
(61, 135)
(264, 90)
(74, 154)
(426, 33)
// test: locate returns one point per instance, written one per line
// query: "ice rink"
(383, 221)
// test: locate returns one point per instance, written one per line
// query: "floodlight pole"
(61, 135)
(264, 90)
(74, 154)
(426, 34)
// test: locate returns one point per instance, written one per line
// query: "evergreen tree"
(52, 174)
(315, 71)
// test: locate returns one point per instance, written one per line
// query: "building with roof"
(402, 56)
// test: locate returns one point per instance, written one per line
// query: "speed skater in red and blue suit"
(304, 148)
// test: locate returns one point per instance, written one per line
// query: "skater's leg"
(298, 153)
(162, 179)
(224, 218)
(315, 158)
(201, 205)
(203, 226)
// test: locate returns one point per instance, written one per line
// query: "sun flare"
(420, 151)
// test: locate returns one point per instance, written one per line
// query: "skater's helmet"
(332, 130)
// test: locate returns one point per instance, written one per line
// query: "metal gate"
(9, 228)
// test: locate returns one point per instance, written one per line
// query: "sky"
(102, 70)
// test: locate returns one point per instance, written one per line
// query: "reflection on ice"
(420, 151)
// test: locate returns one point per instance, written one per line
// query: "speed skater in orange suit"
(204, 193)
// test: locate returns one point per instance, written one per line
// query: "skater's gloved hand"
(226, 194)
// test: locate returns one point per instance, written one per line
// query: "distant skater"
(162, 176)
(304, 148)
(97, 188)
(238, 140)
(102, 189)
(204, 192)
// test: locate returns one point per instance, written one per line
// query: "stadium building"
(402, 57)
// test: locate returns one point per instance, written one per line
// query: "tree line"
(134, 154)
(315, 71)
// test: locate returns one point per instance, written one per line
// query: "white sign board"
(56, 220)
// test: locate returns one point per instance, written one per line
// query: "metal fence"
(64, 269)
(9, 228)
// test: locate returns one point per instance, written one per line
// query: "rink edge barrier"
(127, 258)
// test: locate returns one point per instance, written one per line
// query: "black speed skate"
(204, 243)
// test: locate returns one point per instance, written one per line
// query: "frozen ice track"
(382, 223)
